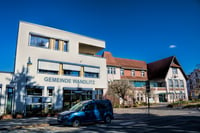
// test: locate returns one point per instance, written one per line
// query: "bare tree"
(120, 88)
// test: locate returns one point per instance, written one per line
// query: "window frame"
(122, 72)
(41, 37)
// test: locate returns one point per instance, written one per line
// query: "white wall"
(179, 76)
(24, 51)
(5, 79)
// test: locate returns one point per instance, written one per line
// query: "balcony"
(89, 49)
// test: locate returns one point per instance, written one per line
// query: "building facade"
(134, 71)
(167, 80)
(54, 69)
(166, 77)
(194, 84)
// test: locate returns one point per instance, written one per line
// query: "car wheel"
(107, 119)
(76, 123)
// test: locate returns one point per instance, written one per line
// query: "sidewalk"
(27, 122)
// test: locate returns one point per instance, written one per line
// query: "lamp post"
(148, 95)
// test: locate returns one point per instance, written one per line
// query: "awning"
(91, 69)
(71, 67)
(48, 66)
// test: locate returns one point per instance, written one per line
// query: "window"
(65, 46)
(34, 91)
(91, 72)
(39, 41)
(72, 73)
(9, 101)
(99, 94)
(170, 82)
(174, 71)
(89, 107)
(132, 72)
(47, 72)
(48, 67)
(36, 99)
(139, 83)
(111, 70)
(91, 75)
(176, 83)
(181, 83)
(50, 91)
(56, 45)
(122, 72)
(142, 73)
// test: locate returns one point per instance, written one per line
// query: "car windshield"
(77, 107)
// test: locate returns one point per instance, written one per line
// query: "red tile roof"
(124, 63)
(159, 69)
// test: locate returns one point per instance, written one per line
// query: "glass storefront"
(71, 96)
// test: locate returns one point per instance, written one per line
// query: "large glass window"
(39, 41)
(71, 97)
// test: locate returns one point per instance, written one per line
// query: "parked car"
(87, 111)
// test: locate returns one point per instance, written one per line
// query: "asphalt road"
(129, 120)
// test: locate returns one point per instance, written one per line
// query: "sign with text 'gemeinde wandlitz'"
(68, 80)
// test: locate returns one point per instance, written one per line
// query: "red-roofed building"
(127, 69)
(166, 76)
(167, 80)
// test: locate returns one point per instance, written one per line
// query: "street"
(160, 119)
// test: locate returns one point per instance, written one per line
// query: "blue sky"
(146, 30)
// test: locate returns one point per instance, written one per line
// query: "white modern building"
(54, 69)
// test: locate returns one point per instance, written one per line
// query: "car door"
(89, 112)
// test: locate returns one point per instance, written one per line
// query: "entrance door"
(9, 100)
(162, 98)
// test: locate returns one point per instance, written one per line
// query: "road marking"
(127, 123)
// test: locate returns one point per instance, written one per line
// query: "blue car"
(86, 112)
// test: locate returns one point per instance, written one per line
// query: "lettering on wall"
(67, 80)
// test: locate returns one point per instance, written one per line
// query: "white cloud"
(172, 46)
